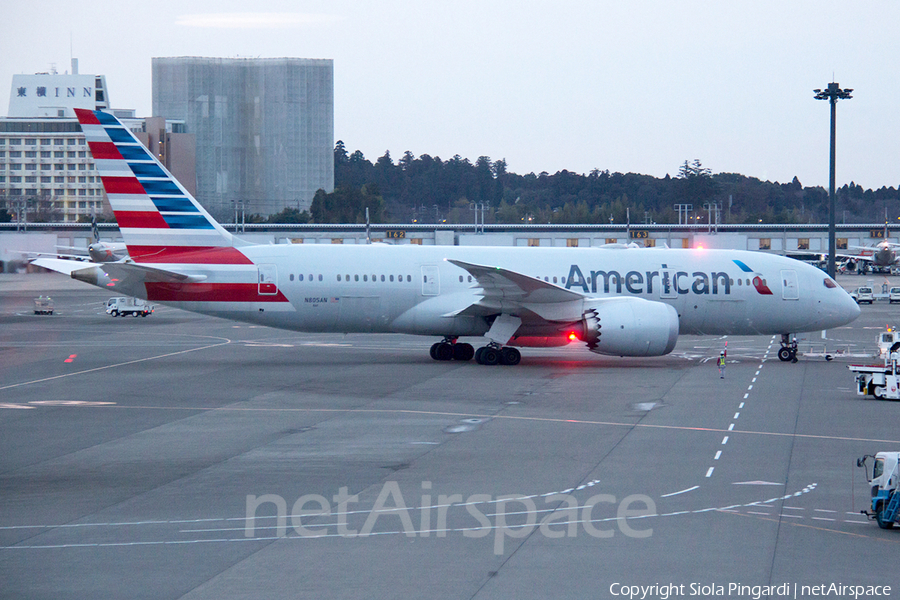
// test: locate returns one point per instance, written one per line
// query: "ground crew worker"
(721, 364)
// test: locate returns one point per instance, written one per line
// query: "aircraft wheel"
(510, 356)
(489, 356)
(478, 355)
(433, 350)
(463, 352)
(878, 392)
(784, 354)
(444, 351)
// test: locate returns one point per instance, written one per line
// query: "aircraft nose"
(846, 310)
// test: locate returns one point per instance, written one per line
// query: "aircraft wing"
(30, 255)
(514, 293)
(75, 249)
(824, 255)
(498, 283)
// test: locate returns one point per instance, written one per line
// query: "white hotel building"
(46, 169)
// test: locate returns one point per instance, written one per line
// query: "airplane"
(98, 252)
(616, 301)
(882, 255)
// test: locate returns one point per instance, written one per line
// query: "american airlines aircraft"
(616, 300)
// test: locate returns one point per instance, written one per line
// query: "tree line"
(427, 189)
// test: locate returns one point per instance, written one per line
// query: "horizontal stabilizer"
(155, 274)
(61, 265)
(101, 274)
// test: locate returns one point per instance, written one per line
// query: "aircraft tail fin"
(159, 219)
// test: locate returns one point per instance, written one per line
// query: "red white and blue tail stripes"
(159, 220)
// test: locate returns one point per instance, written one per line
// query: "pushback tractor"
(881, 381)
(885, 509)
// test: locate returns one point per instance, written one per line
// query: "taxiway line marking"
(113, 366)
(690, 489)
(496, 417)
(728, 509)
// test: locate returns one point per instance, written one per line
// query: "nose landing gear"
(788, 350)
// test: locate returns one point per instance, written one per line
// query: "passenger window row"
(300, 277)
(365, 278)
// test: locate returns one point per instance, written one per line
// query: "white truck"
(863, 294)
(885, 509)
(123, 305)
(43, 305)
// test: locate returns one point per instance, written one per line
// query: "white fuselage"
(414, 289)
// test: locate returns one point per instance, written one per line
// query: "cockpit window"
(829, 283)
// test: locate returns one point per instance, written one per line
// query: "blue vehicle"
(884, 481)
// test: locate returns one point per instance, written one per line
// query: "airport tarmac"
(182, 456)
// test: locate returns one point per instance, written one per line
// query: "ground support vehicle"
(864, 294)
(43, 305)
(881, 381)
(123, 305)
(886, 341)
(894, 295)
(885, 509)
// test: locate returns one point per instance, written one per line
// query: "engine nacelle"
(630, 327)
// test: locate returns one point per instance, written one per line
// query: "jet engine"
(629, 327)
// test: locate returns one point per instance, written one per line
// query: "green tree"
(289, 215)
(347, 205)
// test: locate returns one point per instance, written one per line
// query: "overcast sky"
(636, 86)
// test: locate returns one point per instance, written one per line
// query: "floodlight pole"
(832, 94)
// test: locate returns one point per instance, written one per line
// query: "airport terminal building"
(264, 128)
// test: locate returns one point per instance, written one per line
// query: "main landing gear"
(492, 354)
(788, 350)
(448, 349)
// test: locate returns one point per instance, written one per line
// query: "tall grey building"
(264, 128)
